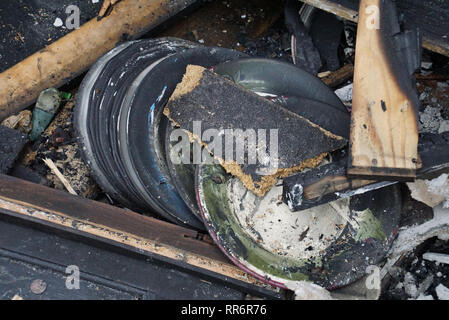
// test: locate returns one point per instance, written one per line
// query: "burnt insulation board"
(11, 144)
(222, 105)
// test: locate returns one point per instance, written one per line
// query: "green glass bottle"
(46, 107)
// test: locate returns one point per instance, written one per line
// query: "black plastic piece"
(11, 144)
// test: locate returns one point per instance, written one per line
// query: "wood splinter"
(60, 176)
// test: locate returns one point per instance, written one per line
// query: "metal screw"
(38, 286)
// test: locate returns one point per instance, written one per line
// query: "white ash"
(349, 52)
(431, 192)
(423, 96)
(430, 120)
(58, 22)
(345, 93)
(442, 292)
(444, 126)
(424, 297)
(426, 65)
(308, 291)
(409, 238)
(440, 186)
(443, 85)
(410, 286)
(436, 257)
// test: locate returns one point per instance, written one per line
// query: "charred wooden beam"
(384, 128)
(123, 229)
(339, 76)
(330, 182)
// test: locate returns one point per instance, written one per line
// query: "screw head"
(38, 286)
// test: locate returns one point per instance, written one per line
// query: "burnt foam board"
(222, 105)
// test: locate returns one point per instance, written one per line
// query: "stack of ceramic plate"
(126, 142)
(119, 121)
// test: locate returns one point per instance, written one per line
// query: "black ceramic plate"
(142, 127)
(86, 100)
(98, 106)
(133, 62)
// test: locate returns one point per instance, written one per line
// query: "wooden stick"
(335, 8)
(69, 56)
(384, 129)
(60, 176)
(339, 76)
